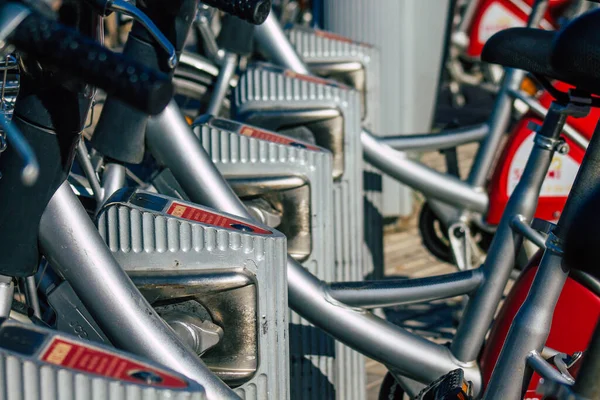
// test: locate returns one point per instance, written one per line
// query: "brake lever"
(105, 7)
(128, 9)
(31, 168)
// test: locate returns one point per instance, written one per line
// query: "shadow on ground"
(435, 320)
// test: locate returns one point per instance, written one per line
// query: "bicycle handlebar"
(145, 89)
(253, 11)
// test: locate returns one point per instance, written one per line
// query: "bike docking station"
(357, 65)
(287, 185)
(218, 280)
(37, 362)
(328, 114)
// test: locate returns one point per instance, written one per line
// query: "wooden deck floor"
(406, 257)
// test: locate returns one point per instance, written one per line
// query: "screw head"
(563, 148)
(459, 232)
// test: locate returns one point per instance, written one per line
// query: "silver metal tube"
(446, 214)
(537, 108)
(500, 118)
(537, 13)
(7, 291)
(437, 141)
(409, 354)
(275, 45)
(432, 183)
(11, 15)
(548, 352)
(113, 179)
(86, 164)
(528, 331)
(72, 244)
(498, 123)
(385, 293)
(467, 17)
(171, 140)
(500, 260)
(198, 62)
(545, 370)
(208, 38)
(221, 88)
(520, 225)
(32, 296)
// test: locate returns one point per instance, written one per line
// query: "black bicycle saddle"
(522, 48)
(576, 52)
(571, 55)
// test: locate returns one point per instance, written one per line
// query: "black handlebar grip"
(253, 11)
(86, 60)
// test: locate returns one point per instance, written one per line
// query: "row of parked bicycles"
(195, 213)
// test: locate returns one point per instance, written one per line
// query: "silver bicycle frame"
(69, 238)
(71, 242)
(531, 325)
(387, 153)
(171, 140)
(131, 323)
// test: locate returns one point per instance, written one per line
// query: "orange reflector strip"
(529, 86)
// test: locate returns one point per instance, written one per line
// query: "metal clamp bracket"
(554, 244)
(520, 225)
(578, 106)
(541, 225)
(563, 362)
(559, 145)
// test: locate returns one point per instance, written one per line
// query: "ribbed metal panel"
(314, 46)
(317, 47)
(267, 88)
(24, 378)
(242, 156)
(350, 373)
(143, 240)
(311, 350)
(409, 35)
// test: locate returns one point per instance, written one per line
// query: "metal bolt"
(459, 232)
(199, 335)
(563, 147)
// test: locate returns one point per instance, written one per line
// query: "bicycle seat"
(571, 55)
(522, 48)
(576, 52)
